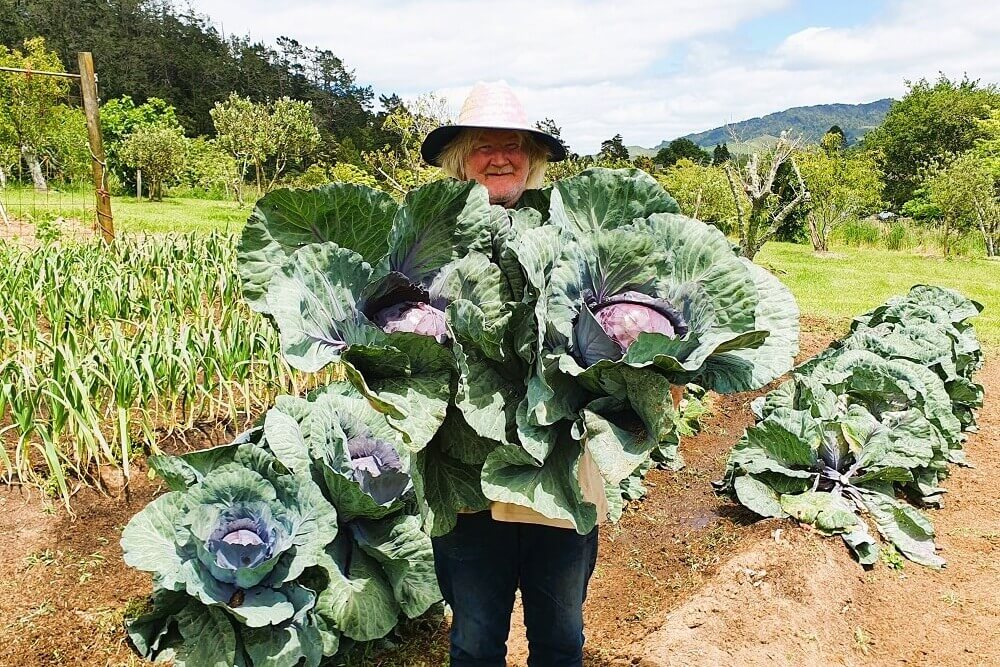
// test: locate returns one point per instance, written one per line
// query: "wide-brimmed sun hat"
(492, 106)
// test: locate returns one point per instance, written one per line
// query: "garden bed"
(685, 578)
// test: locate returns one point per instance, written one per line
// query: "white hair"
(453, 155)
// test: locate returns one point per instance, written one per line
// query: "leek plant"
(105, 350)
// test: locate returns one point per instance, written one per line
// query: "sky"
(650, 71)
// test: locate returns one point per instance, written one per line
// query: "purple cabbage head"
(621, 319)
(413, 317)
(244, 537)
(375, 465)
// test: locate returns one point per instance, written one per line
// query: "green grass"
(850, 281)
(173, 214)
(179, 215)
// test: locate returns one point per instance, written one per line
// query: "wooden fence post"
(99, 166)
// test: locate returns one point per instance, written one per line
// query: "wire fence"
(66, 205)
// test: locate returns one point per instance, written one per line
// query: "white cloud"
(417, 45)
(916, 32)
(592, 65)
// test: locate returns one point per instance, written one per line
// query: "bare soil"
(23, 232)
(686, 578)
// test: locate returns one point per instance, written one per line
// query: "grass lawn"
(173, 214)
(179, 215)
(850, 281)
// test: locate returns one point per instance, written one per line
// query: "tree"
(833, 140)
(244, 130)
(987, 148)
(963, 189)
(158, 152)
(169, 50)
(645, 163)
(61, 151)
(920, 207)
(208, 168)
(613, 149)
(679, 149)
(840, 187)
(296, 135)
(987, 152)
(265, 136)
(9, 158)
(702, 192)
(549, 127)
(345, 172)
(931, 121)
(574, 164)
(64, 151)
(28, 103)
(121, 116)
(399, 166)
(757, 193)
(720, 154)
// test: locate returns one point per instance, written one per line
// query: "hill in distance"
(811, 122)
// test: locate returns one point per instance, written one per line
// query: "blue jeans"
(482, 562)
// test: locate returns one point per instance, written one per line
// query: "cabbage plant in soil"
(372, 564)
(826, 471)
(381, 564)
(626, 299)
(233, 550)
(886, 400)
(929, 325)
(869, 423)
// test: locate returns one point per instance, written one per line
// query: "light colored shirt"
(591, 484)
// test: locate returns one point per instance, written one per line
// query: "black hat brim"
(436, 141)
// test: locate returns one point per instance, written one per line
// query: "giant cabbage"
(868, 425)
(381, 315)
(381, 563)
(299, 535)
(627, 298)
(825, 471)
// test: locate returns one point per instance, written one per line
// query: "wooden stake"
(99, 166)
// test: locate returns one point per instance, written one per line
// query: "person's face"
(498, 162)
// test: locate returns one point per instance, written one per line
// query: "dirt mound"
(783, 601)
(801, 601)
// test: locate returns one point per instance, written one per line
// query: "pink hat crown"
(489, 105)
(493, 105)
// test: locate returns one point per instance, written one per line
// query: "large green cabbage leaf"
(617, 233)
(352, 216)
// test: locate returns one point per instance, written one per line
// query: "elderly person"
(490, 554)
(494, 144)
